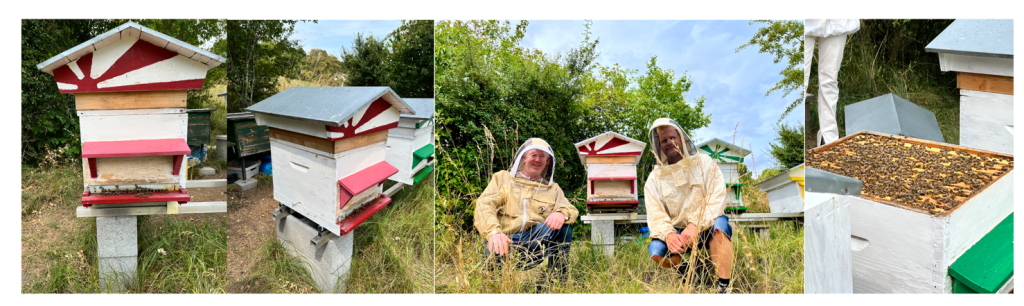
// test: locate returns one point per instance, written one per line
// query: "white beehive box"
(785, 190)
(610, 160)
(981, 53)
(729, 157)
(896, 249)
(411, 141)
(329, 148)
(827, 263)
(130, 88)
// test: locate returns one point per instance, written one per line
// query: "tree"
(322, 68)
(403, 60)
(788, 146)
(259, 52)
(783, 39)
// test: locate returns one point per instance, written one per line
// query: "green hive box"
(198, 127)
(245, 137)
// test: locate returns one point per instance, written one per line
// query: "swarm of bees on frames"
(139, 192)
(933, 179)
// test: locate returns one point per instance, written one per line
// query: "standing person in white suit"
(830, 35)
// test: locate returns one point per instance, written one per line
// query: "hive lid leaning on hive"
(330, 106)
(974, 37)
(423, 108)
(892, 114)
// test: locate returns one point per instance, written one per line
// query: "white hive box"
(785, 190)
(130, 88)
(329, 148)
(411, 144)
(610, 160)
(981, 53)
(729, 157)
(827, 263)
(896, 249)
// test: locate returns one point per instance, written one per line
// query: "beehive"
(411, 144)
(610, 160)
(329, 150)
(130, 89)
(827, 264)
(923, 204)
(729, 157)
(981, 54)
(245, 137)
(785, 190)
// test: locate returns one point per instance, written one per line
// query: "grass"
(866, 73)
(193, 257)
(393, 251)
(773, 265)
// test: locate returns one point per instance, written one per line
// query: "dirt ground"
(53, 227)
(249, 228)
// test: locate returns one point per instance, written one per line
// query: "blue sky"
(734, 84)
(332, 35)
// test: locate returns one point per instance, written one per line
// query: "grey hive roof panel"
(424, 107)
(208, 58)
(891, 114)
(327, 105)
(976, 37)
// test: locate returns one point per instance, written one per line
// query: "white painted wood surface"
(827, 263)
(986, 121)
(901, 251)
(189, 208)
(306, 179)
(786, 198)
(177, 68)
(976, 64)
(611, 170)
(103, 125)
(399, 155)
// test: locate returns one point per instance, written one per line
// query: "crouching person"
(523, 210)
(685, 201)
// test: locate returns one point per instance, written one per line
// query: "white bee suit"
(830, 35)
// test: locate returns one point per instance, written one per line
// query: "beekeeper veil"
(689, 150)
(530, 144)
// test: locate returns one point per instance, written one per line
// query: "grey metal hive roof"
(327, 105)
(892, 114)
(424, 107)
(828, 182)
(727, 144)
(977, 37)
(131, 29)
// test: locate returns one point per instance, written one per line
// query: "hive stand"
(329, 148)
(981, 54)
(130, 88)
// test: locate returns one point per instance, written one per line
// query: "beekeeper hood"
(530, 144)
(689, 150)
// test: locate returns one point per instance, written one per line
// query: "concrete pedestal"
(117, 242)
(222, 147)
(246, 184)
(328, 264)
(602, 235)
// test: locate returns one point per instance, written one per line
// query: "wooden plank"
(611, 159)
(332, 147)
(198, 128)
(206, 183)
(984, 82)
(248, 137)
(131, 126)
(190, 208)
(987, 265)
(130, 100)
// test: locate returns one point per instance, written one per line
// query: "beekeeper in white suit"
(685, 201)
(830, 35)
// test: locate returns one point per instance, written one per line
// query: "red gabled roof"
(134, 148)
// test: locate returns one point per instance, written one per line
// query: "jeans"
(659, 248)
(536, 243)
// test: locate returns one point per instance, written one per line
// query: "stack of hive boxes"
(329, 148)
(411, 144)
(610, 160)
(130, 92)
(729, 158)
